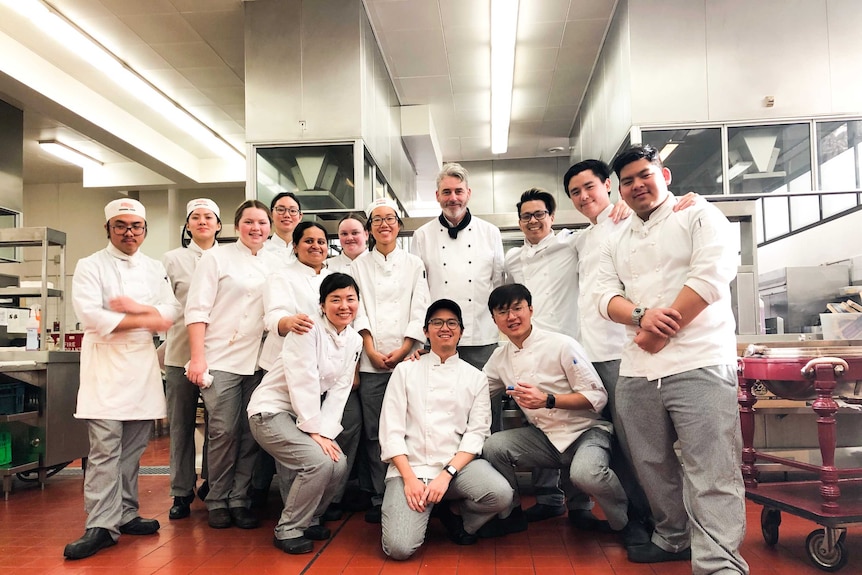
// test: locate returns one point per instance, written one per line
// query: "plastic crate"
(5, 448)
(12, 398)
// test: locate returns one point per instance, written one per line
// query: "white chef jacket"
(649, 262)
(466, 270)
(320, 361)
(226, 293)
(555, 363)
(282, 249)
(603, 339)
(393, 300)
(431, 411)
(341, 263)
(180, 265)
(290, 290)
(120, 375)
(549, 269)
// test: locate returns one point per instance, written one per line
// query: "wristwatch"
(450, 469)
(637, 315)
(551, 401)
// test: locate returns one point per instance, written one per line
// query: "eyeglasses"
(516, 309)
(377, 221)
(281, 210)
(121, 229)
(438, 323)
(540, 215)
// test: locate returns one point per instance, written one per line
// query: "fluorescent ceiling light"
(504, 31)
(78, 42)
(69, 154)
(734, 171)
(667, 150)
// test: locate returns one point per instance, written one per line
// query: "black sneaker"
(219, 518)
(540, 512)
(454, 525)
(94, 540)
(140, 526)
(182, 507)
(243, 518)
(294, 545)
(584, 520)
(634, 534)
(652, 553)
(332, 513)
(374, 514)
(497, 527)
(317, 533)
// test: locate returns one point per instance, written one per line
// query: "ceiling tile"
(471, 100)
(407, 15)
(201, 6)
(471, 82)
(456, 13)
(591, 9)
(540, 34)
(529, 58)
(225, 96)
(525, 114)
(161, 28)
(470, 61)
(225, 32)
(544, 11)
(418, 53)
(422, 90)
(189, 55)
(213, 77)
(130, 7)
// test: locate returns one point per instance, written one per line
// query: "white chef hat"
(125, 206)
(202, 203)
(381, 202)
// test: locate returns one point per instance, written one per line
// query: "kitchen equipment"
(835, 500)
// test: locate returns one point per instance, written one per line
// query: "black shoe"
(332, 513)
(94, 540)
(203, 490)
(140, 526)
(454, 525)
(317, 533)
(374, 514)
(258, 497)
(497, 527)
(634, 534)
(243, 518)
(584, 520)
(182, 507)
(541, 511)
(356, 501)
(294, 545)
(652, 553)
(219, 518)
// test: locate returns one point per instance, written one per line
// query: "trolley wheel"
(822, 558)
(770, 519)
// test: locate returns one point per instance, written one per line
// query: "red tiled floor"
(36, 523)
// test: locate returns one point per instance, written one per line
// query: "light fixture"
(62, 30)
(69, 154)
(504, 31)
(667, 150)
(734, 171)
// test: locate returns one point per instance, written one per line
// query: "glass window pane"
(838, 148)
(776, 217)
(804, 211)
(763, 159)
(322, 176)
(835, 203)
(692, 156)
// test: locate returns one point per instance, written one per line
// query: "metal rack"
(45, 239)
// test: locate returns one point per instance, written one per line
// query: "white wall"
(832, 242)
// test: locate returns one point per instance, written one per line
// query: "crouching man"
(562, 397)
(436, 415)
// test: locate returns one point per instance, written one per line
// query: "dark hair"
(507, 295)
(290, 195)
(444, 304)
(251, 204)
(598, 167)
(334, 282)
(540, 195)
(300, 229)
(635, 153)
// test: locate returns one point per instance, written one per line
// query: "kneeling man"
(561, 395)
(436, 416)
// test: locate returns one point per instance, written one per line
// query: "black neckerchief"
(453, 231)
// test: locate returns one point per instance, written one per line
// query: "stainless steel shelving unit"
(46, 239)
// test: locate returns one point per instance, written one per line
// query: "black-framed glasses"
(281, 210)
(540, 215)
(438, 323)
(121, 229)
(378, 221)
(516, 309)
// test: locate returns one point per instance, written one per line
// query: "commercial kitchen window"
(693, 157)
(767, 159)
(839, 145)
